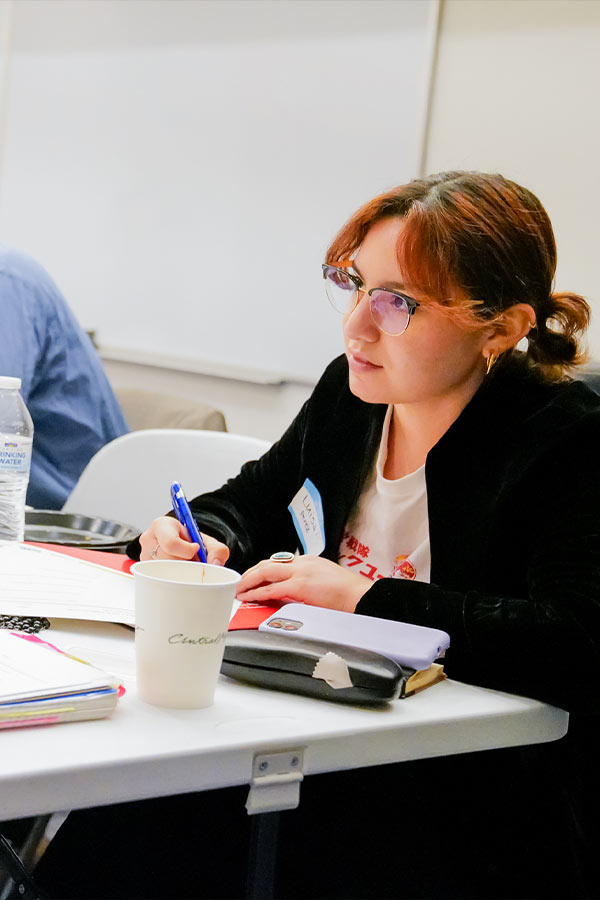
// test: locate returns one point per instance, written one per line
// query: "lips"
(359, 363)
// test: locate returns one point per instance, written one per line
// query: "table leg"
(23, 885)
(262, 856)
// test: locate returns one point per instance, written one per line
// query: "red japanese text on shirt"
(357, 555)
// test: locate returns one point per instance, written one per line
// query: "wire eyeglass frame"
(375, 297)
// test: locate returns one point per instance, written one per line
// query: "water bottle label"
(15, 454)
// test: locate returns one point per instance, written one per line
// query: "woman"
(459, 484)
(465, 469)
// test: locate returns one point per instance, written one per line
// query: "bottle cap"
(7, 381)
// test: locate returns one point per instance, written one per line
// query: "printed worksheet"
(38, 582)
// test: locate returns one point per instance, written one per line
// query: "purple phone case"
(410, 645)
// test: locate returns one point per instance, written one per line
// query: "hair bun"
(555, 340)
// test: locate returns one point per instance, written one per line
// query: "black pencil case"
(302, 665)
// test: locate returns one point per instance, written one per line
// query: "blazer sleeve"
(249, 513)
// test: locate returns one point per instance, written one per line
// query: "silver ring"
(283, 556)
(154, 552)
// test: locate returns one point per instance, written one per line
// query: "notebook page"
(38, 582)
(31, 670)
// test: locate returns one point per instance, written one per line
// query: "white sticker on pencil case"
(307, 512)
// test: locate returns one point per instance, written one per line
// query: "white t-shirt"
(387, 535)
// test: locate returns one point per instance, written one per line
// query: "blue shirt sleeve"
(73, 407)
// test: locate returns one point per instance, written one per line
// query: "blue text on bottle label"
(15, 454)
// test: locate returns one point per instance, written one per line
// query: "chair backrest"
(128, 479)
(591, 376)
(149, 409)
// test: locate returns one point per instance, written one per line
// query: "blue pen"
(183, 512)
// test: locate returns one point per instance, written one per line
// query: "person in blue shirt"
(73, 407)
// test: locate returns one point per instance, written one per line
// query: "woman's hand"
(308, 579)
(167, 539)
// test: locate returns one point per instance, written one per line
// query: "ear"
(508, 329)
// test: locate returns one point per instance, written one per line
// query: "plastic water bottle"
(16, 437)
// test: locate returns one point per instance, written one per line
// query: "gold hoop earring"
(491, 360)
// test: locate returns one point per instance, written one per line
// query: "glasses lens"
(390, 312)
(340, 288)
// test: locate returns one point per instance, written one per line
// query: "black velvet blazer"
(513, 491)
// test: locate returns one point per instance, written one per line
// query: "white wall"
(181, 166)
(517, 91)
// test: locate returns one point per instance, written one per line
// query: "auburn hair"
(477, 244)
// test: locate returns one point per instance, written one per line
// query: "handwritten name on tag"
(307, 512)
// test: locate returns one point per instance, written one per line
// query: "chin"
(368, 393)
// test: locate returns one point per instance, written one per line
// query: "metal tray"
(49, 526)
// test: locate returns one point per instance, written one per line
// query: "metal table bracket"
(275, 783)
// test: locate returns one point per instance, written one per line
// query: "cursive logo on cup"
(184, 639)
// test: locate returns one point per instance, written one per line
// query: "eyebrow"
(388, 285)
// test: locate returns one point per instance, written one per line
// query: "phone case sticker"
(307, 512)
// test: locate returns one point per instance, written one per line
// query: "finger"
(188, 551)
(148, 541)
(171, 541)
(217, 553)
(280, 591)
(260, 566)
(174, 541)
(217, 556)
(266, 572)
(146, 551)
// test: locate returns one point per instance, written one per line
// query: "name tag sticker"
(307, 512)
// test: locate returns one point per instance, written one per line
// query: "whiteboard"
(180, 167)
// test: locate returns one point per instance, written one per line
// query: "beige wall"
(517, 91)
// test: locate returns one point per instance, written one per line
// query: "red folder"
(250, 615)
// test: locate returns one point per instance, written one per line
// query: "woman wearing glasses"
(457, 467)
(458, 478)
(458, 475)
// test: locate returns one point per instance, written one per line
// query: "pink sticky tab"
(37, 640)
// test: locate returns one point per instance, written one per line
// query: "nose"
(359, 324)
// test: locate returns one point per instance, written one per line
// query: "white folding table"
(266, 739)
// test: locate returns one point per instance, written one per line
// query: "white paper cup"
(182, 612)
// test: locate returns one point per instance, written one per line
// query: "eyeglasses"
(391, 310)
